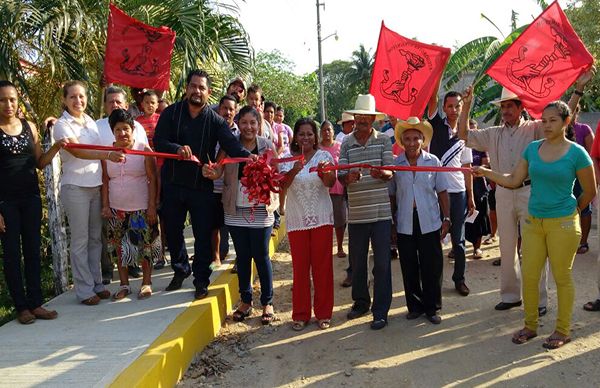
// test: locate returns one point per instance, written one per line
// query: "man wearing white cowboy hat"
(347, 123)
(369, 216)
(452, 152)
(505, 144)
(417, 200)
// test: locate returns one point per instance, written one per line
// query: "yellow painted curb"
(168, 357)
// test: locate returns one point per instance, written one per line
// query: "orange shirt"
(149, 124)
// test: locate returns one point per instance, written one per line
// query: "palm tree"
(361, 69)
(65, 39)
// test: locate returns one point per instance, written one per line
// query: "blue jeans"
(458, 213)
(202, 206)
(253, 243)
(22, 218)
(359, 235)
(224, 245)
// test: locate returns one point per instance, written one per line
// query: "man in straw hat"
(452, 152)
(505, 144)
(347, 123)
(418, 199)
(369, 216)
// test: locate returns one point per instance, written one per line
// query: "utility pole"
(321, 91)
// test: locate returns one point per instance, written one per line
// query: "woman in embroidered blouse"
(309, 218)
(81, 181)
(552, 231)
(129, 205)
(250, 226)
(21, 206)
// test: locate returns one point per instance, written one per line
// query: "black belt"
(526, 182)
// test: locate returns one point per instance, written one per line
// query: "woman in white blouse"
(80, 192)
(309, 221)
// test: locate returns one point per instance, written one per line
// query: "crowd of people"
(127, 210)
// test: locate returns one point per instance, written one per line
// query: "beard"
(196, 101)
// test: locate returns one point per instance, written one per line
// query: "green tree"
(65, 39)
(339, 93)
(584, 16)
(361, 70)
(297, 94)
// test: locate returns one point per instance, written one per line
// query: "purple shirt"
(581, 132)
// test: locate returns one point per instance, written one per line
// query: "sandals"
(91, 301)
(489, 240)
(324, 324)
(583, 248)
(592, 306)
(268, 316)
(299, 325)
(239, 315)
(556, 340)
(522, 336)
(477, 254)
(122, 292)
(145, 292)
(341, 254)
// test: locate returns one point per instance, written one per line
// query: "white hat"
(346, 117)
(365, 105)
(506, 95)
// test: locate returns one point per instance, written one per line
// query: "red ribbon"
(390, 168)
(131, 152)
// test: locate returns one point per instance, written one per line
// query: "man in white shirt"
(347, 123)
(115, 98)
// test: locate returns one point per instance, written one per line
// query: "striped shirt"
(368, 199)
(245, 217)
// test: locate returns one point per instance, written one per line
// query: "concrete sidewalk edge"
(168, 357)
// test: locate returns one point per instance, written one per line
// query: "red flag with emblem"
(541, 64)
(405, 74)
(137, 55)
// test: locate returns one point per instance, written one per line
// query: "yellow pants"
(556, 239)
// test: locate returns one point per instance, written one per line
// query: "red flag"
(541, 64)
(405, 73)
(137, 55)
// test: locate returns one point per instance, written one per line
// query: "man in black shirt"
(190, 127)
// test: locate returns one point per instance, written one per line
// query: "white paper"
(470, 219)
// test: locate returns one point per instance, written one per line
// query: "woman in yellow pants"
(552, 230)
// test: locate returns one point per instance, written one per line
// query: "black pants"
(202, 206)
(421, 261)
(22, 218)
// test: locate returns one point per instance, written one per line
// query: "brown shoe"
(91, 301)
(42, 313)
(462, 288)
(105, 294)
(347, 282)
(25, 317)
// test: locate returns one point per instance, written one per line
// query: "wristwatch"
(447, 219)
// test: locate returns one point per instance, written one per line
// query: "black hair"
(198, 73)
(7, 84)
(450, 94)
(228, 97)
(150, 93)
(270, 104)
(563, 109)
(279, 109)
(120, 116)
(324, 123)
(249, 109)
(254, 88)
(303, 121)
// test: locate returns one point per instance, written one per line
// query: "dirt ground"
(471, 347)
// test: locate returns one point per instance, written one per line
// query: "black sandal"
(592, 306)
(239, 315)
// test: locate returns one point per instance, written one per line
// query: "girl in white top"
(80, 192)
(309, 218)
